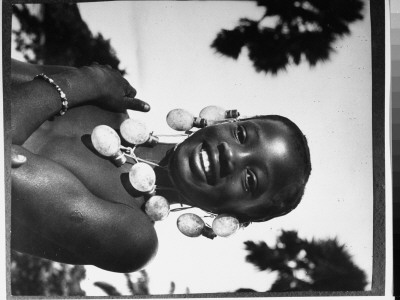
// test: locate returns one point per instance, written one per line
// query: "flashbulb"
(225, 225)
(182, 120)
(142, 177)
(136, 132)
(215, 113)
(190, 225)
(105, 140)
(157, 208)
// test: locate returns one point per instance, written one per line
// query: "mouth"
(207, 164)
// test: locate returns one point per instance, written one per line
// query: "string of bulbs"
(142, 177)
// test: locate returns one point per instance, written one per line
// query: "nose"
(225, 159)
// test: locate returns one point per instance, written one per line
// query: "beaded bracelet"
(64, 101)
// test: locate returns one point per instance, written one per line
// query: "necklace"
(142, 176)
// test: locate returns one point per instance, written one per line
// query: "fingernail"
(20, 158)
(146, 107)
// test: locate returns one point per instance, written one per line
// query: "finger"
(136, 104)
(17, 160)
(128, 89)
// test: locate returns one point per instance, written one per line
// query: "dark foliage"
(57, 35)
(325, 264)
(140, 287)
(33, 276)
(304, 30)
(109, 289)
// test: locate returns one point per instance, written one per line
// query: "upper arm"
(22, 72)
(53, 202)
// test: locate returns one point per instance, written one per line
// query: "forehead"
(278, 135)
(277, 144)
(269, 125)
(262, 125)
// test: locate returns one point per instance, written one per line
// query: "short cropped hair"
(290, 196)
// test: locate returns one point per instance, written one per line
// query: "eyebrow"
(264, 169)
(256, 127)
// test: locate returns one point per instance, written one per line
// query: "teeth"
(205, 161)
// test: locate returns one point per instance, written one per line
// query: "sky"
(165, 48)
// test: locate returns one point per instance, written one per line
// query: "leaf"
(306, 30)
(327, 264)
(229, 42)
(107, 288)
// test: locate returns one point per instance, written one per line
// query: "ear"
(287, 196)
(284, 201)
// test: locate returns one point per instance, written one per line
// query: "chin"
(177, 172)
(173, 168)
(191, 189)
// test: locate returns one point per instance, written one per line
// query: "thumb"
(136, 104)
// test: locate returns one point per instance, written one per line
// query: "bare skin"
(71, 205)
(68, 204)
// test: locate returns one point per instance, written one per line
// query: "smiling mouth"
(206, 164)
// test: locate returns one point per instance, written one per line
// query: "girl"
(71, 205)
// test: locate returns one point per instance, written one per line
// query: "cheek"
(218, 199)
(244, 205)
(179, 165)
(239, 208)
(233, 200)
(232, 187)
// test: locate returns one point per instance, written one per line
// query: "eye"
(240, 134)
(250, 182)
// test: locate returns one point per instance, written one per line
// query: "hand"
(113, 91)
(17, 159)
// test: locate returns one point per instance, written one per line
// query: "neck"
(160, 154)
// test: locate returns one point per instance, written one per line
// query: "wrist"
(62, 95)
(76, 85)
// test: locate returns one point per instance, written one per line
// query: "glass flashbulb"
(142, 177)
(214, 113)
(134, 132)
(105, 140)
(225, 225)
(182, 120)
(157, 208)
(190, 225)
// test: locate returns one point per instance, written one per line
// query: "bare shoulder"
(73, 224)
(66, 140)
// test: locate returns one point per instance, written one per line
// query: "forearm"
(23, 72)
(34, 102)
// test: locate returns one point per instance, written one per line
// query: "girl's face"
(236, 168)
